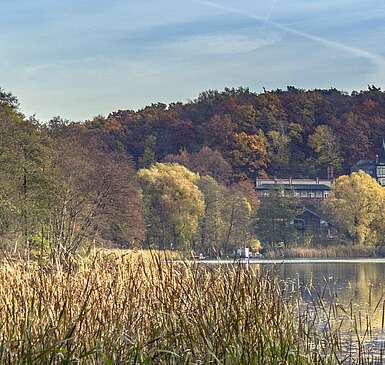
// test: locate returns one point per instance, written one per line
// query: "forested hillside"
(66, 185)
(277, 133)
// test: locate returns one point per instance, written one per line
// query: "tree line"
(178, 175)
(298, 133)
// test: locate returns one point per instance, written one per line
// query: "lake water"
(360, 283)
(356, 282)
(355, 286)
(357, 289)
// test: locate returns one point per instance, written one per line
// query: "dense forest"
(63, 183)
(278, 133)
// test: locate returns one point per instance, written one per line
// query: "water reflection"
(352, 293)
(361, 285)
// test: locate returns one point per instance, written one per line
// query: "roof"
(362, 163)
(312, 213)
(307, 210)
(307, 187)
(368, 166)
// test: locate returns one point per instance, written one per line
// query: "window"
(380, 171)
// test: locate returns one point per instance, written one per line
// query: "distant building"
(320, 188)
(374, 168)
(308, 219)
(308, 222)
(297, 188)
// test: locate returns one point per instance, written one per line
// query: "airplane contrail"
(270, 13)
(374, 58)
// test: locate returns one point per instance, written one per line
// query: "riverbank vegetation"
(341, 251)
(114, 308)
(176, 178)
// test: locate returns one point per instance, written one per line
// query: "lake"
(360, 282)
(356, 286)
(352, 291)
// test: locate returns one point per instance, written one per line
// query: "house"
(374, 168)
(308, 218)
(297, 188)
(310, 222)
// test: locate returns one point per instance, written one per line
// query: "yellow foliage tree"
(357, 205)
(173, 204)
(250, 154)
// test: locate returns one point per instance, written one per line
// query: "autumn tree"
(279, 152)
(173, 205)
(220, 131)
(25, 167)
(326, 148)
(356, 204)
(94, 196)
(296, 125)
(212, 226)
(232, 135)
(274, 219)
(249, 155)
(237, 213)
(353, 127)
(245, 118)
(227, 221)
(204, 162)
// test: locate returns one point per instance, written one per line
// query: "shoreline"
(252, 261)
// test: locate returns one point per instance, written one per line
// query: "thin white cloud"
(374, 58)
(218, 44)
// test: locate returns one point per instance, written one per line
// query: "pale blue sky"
(80, 58)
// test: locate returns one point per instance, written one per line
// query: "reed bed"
(133, 309)
(326, 251)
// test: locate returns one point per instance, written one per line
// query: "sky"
(81, 58)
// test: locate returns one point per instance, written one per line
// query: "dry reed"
(131, 309)
(326, 251)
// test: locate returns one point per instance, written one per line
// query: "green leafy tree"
(326, 148)
(25, 172)
(237, 213)
(210, 235)
(8, 100)
(148, 157)
(227, 222)
(274, 219)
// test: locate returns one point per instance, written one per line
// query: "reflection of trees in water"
(361, 284)
(352, 305)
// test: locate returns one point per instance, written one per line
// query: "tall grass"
(125, 309)
(326, 251)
